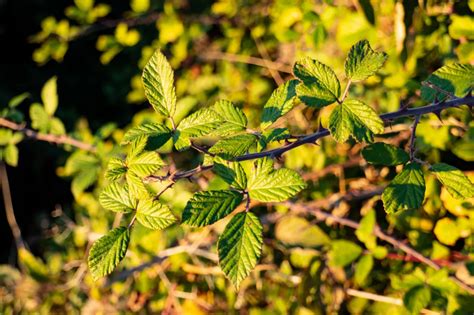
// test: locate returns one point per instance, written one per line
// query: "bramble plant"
(240, 244)
(277, 157)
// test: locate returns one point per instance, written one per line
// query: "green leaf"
(362, 62)
(462, 26)
(297, 231)
(208, 207)
(417, 298)
(365, 231)
(200, 123)
(108, 251)
(116, 197)
(233, 146)
(34, 265)
(343, 253)
(457, 184)
(454, 79)
(144, 164)
(11, 154)
(384, 154)
(280, 102)
(406, 191)
(271, 135)
(233, 118)
(231, 172)
(181, 141)
(83, 180)
(320, 86)
(57, 127)
(136, 186)
(115, 169)
(158, 83)
(464, 150)
(363, 268)
(18, 99)
(240, 246)
(157, 134)
(276, 185)
(356, 119)
(39, 118)
(154, 215)
(49, 96)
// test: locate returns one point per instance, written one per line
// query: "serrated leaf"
(271, 135)
(384, 154)
(49, 96)
(343, 253)
(231, 172)
(116, 168)
(356, 119)
(454, 79)
(157, 135)
(144, 164)
(406, 190)
(363, 268)
(136, 186)
(278, 185)
(457, 184)
(11, 154)
(417, 298)
(233, 118)
(39, 118)
(208, 207)
(116, 197)
(158, 82)
(320, 86)
(363, 62)
(108, 251)
(240, 246)
(233, 146)
(200, 123)
(154, 215)
(181, 141)
(280, 102)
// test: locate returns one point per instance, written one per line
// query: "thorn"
(438, 114)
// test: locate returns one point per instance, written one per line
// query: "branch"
(323, 215)
(312, 138)
(63, 139)
(9, 212)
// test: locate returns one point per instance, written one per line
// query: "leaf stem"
(132, 222)
(413, 138)
(346, 90)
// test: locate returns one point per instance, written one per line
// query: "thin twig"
(323, 215)
(10, 213)
(274, 65)
(266, 57)
(413, 137)
(62, 139)
(382, 298)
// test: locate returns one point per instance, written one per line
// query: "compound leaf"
(240, 246)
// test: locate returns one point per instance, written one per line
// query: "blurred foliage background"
(236, 50)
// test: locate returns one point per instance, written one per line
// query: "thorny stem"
(312, 138)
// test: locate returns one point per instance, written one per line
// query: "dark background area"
(35, 187)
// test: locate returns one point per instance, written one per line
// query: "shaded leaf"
(231, 172)
(240, 246)
(157, 134)
(406, 190)
(417, 298)
(233, 118)
(320, 86)
(233, 146)
(363, 62)
(280, 102)
(208, 207)
(356, 119)
(116, 168)
(384, 154)
(454, 79)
